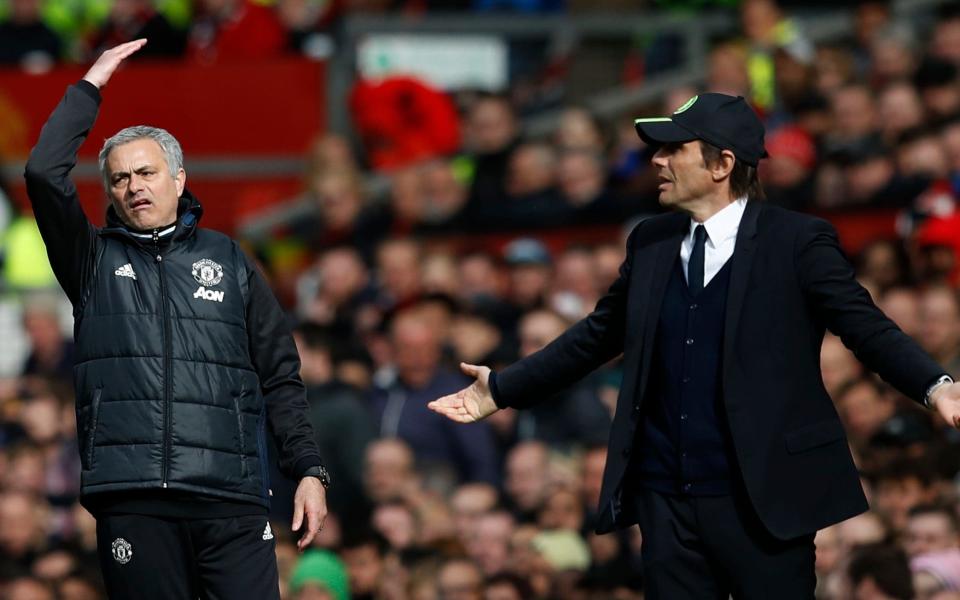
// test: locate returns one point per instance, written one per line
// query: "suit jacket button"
(626, 452)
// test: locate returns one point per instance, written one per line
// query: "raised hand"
(101, 71)
(470, 404)
(946, 400)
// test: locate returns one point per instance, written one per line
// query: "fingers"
(313, 526)
(471, 370)
(452, 407)
(297, 513)
(315, 516)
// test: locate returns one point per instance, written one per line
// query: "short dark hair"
(887, 566)
(744, 180)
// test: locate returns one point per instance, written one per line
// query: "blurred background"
(425, 182)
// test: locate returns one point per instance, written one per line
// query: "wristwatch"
(940, 381)
(320, 472)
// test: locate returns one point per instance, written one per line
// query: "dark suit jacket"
(789, 282)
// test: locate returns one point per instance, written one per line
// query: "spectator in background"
(900, 109)
(854, 114)
(880, 572)
(939, 86)
(305, 22)
(945, 41)
(527, 480)
(388, 473)
(26, 40)
(902, 305)
(726, 71)
(883, 263)
(51, 352)
(363, 553)
(332, 292)
(920, 153)
(893, 54)
(399, 274)
(22, 526)
(864, 407)
(442, 448)
(579, 130)
(899, 486)
(931, 528)
(319, 575)
(342, 425)
(476, 336)
(28, 588)
(135, 19)
(469, 503)
(531, 185)
(788, 174)
(939, 332)
(870, 178)
(530, 271)
(232, 30)
(833, 68)
(491, 134)
(460, 579)
(489, 544)
(575, 417)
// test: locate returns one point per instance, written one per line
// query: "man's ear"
(722, 168)
(181, 180)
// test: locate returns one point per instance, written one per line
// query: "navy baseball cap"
(726, 122)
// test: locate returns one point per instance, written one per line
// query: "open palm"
(470, 404)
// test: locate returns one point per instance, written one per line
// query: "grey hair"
(168, 144)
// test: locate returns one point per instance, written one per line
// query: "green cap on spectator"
(323, 568)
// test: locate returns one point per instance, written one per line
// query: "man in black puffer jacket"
(183, 361)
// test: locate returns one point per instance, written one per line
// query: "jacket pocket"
(814, 435)
(241, 442)
(93, 418)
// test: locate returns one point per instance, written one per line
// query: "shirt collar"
(724, 224)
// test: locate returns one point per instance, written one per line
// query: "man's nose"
(136, 183)
(659, 158)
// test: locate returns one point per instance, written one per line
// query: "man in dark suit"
(725, 448)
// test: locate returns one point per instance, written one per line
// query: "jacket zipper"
(167, 358)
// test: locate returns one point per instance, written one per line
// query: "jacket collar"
(189, 212)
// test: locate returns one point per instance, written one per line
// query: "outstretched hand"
(946, 401)
(470, 404)
(101, 71)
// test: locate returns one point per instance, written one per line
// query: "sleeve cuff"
(495, 391)
(90, 90)
(300, 467)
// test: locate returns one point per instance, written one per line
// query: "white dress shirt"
(721, 238)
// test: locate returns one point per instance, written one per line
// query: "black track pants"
(146, 557)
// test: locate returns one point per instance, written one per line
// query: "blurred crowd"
(394, 271)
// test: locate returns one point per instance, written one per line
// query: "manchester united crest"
(122, 551)
(207, 272)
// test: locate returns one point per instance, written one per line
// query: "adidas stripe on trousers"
(145, 558)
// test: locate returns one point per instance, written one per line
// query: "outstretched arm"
(67, 234)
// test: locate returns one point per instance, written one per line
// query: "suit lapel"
(743, 254)
(666, 253)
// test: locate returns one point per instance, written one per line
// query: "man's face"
(364, 566)
(683, 174)
(930, 532)
(140, 185)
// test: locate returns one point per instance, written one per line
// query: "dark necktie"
(695, 268)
